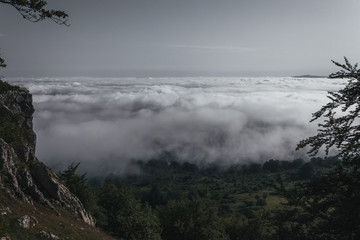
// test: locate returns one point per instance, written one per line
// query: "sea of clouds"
(105, 123)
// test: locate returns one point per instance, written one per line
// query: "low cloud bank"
(106, 123)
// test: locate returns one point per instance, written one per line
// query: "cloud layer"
(105, 123)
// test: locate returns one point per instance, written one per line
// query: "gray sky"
(182, 38)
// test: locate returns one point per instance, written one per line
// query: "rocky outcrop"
(5, 238)
(27, 221)
(22, 175)
(48, 235)
(4, 211)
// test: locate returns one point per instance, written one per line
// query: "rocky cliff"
(22, 175)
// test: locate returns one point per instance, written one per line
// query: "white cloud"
(108, 122)
(211, 48)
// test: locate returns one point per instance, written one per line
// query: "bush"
(306, 171)
(191, 219)
(78, 186)
(246, 229)
(272, 166)
(127, 217)
(261, 202)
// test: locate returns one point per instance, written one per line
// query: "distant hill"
(309, 76)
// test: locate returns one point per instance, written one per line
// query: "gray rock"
(9, 170)
(27, 221)
(5, 238)
(19, 105)
(48, 235)
(5, 211)
(22, 175)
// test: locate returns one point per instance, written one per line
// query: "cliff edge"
(22, 175)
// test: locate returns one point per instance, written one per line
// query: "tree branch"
(339, 130)
(34, 11)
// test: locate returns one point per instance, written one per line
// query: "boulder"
(48, 235)
(27, 221)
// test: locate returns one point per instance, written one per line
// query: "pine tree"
(341, 126)
(329, 204)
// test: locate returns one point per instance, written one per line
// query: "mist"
(107, 123)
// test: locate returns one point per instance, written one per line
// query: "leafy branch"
(340, 127)
(34, 11)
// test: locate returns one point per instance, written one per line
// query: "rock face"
(22, 175)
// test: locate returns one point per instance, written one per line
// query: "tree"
(306, 171)
(2, 63)
(272, 166)
(35, 11)
(194, 219)
(329, 204)
(78, 186)
(341, 127)
(127, 217)
(243, 228)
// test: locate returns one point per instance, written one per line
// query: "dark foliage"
(333, 202)
(78, 186)
(194, 219)
(240, 228)
(272, 165)
(2, 63)
(174, 200)
(35, 11)
(341, 131)
(306, 171)
(325, 208)
(328, 206)
(4, 87)
(126, 216)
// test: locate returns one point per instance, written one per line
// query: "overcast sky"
(182, 38)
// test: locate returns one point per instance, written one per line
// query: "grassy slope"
(58, 221)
